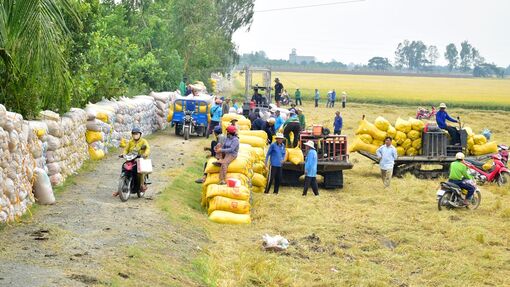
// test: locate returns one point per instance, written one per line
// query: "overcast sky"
(355, 32)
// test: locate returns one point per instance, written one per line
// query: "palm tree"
(33, 37)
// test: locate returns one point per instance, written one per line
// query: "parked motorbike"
(423, 113)
(129, 180)
(451, 196)
(498, 173)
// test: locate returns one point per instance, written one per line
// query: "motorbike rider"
(441, 118)
(141, 147)
(459, 175)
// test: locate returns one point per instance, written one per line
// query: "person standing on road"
(216, 114)
(278, 89)
(226, 106)
(333, 99)
(279, 120)
(311, 169)
(228, 151)
(276, 154)
(387, 155)
(344, 99)
(297, 97)
(316, 97)
(301, 117)
(338, 123)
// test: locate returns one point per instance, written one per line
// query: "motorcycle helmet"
(136, 130)
(231, 130)
(217, 130)
(460, 156)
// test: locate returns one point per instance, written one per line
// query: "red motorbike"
(423, 113)
(498, 173)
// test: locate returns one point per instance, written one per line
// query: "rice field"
(362, 235)
(426, 91)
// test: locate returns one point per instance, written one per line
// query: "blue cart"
(190, 117)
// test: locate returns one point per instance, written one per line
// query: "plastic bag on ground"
(275, 243)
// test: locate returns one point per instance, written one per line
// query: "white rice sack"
(49, 115)
(53, 142)
(55, 129)
(56, 179)
(3, 115)
(163, 96)
(53, 168)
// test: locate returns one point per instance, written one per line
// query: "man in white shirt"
(387, 155)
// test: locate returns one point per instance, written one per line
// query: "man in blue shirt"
(338, 123)
(387, 155)
(279, 120)
(276, 153)
(441, 118)
(333, 99)
(311, 169)
(216, 114)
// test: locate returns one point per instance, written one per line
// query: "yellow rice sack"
(239, 165)
(252, 140)
(102, 117)
(416, 124)
(411, 151)
(239, 193)
(377, 143)
(366, 138)
(96, 154)
(258, 189)
(367, 128)
(359, 145)
(403, 126)
(401, 151)
(214, 178)
(260, 134)
(259, 180)
(382, 123)
(487, 148)
(220, 216)
(414, 135)
(480, 139)
(92, 136)
(416, 144)
(392, 132)
(400, 137)
(228, 204)
(295, 155)
(407, 144)
(259, 167)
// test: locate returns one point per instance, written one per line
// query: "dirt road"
(67, 244)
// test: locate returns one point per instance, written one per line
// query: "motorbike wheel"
(444, 201)
(178, 129)
(475, 200)
(186, 133)
(504, 178)
(124, 188)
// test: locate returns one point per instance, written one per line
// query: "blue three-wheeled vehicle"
(190, 117)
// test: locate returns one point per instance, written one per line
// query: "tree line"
(55, 54)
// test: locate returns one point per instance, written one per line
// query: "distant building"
(295, 59)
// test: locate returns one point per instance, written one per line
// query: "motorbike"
(498, 173)
(422, 113)
(129, 180)
(451, 196)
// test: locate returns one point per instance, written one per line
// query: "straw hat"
(310, 144)
(344, 93)
(442, 105)
(271, 120)
(279, 136)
